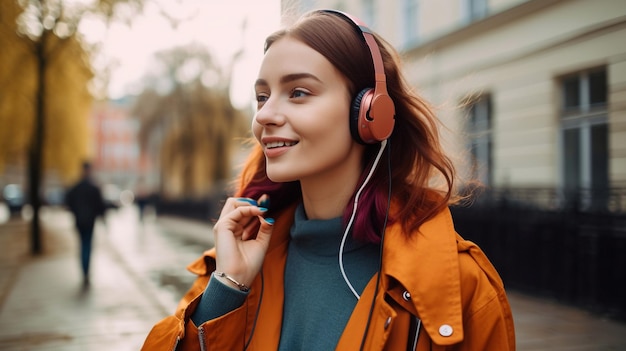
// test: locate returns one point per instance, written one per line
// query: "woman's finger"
(233, 202)
(246, 200)
(250, 230)
(245, 213)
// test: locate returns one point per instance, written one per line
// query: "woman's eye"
(298, 93)
(261, 98)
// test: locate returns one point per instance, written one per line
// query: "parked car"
(54, 196)
(13, 196)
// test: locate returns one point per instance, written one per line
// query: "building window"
(474, 9)
(410, 17)
(584, 137)
(480, 144)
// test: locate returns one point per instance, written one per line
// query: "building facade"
(118, 161)
(533, 92)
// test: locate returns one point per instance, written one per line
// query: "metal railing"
(570, 246)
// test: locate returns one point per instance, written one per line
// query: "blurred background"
(158, 95)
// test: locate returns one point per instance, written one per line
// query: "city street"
(139, 274)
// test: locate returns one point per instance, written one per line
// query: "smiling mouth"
(277, 144)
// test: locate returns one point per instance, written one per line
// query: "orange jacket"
(434, 274)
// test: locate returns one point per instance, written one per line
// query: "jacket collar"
(425, 264)
(282, 226)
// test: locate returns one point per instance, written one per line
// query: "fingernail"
(265, 203)
(269, 221)
(263, 209)
(250, 201)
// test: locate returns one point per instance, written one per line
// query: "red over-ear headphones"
(372, 112)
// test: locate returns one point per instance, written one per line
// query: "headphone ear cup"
(355, 112)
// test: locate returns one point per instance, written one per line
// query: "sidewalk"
(43, 307)
(545, 325)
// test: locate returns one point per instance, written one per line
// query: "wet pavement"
(138, 275)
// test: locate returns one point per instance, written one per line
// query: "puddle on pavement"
(177, 282)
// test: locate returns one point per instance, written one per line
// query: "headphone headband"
(374, 110)
(368, 37)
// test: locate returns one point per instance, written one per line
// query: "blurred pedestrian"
(362, 254)
(142, 197)
(84, 200)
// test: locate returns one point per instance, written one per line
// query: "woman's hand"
(240, 246)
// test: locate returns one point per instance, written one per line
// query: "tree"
(193, 120)
(44, 99)
(17, 84)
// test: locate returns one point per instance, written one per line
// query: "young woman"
(338, 237)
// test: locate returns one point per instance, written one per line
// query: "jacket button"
(406, 295)
(445, 330)
(387, 322)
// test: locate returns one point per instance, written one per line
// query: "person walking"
(339, 235)
(84, 200)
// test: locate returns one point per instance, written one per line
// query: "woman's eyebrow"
(260, 82)
(288, 78)
(295, 76)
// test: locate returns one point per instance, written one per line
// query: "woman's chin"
(277, 177)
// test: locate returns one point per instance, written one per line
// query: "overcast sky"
(213, 23)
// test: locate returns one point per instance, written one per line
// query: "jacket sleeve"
(178, 331)
(171, 332)
(488, 320)
(216, 301)
(222, 333)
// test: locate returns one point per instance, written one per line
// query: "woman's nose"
(269, 114)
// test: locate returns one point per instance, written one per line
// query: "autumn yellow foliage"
(66, 100)
(17, 84)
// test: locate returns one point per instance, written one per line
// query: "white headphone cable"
(383, 144)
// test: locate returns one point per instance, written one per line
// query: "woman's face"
(302, 116)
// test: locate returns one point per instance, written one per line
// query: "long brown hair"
(415, 157)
